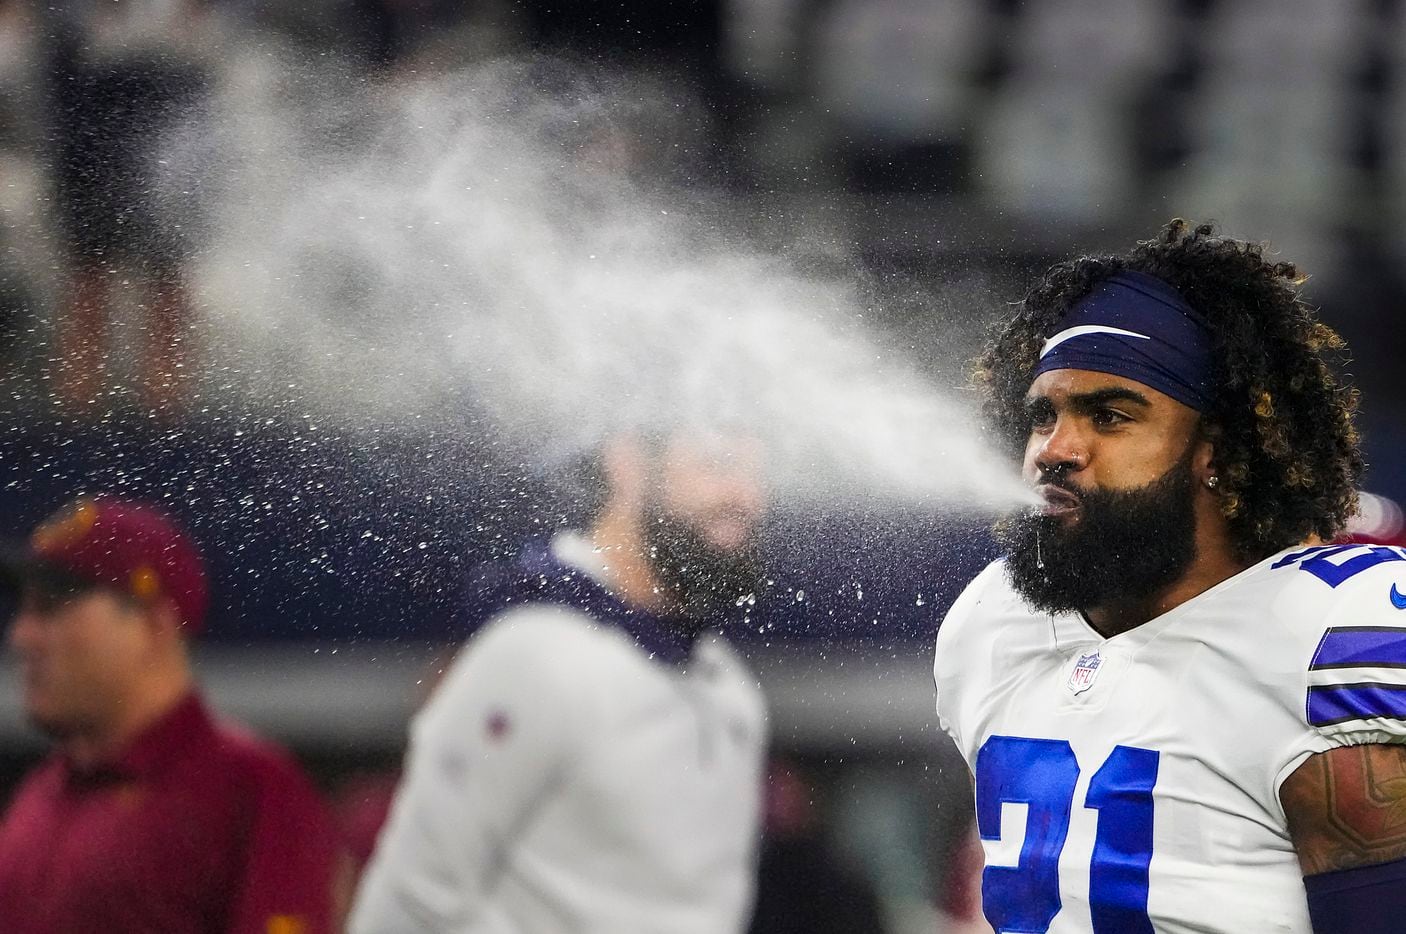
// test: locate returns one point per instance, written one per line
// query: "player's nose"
(1064, 449)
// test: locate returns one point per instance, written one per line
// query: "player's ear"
(162, 617)
(1204, 460)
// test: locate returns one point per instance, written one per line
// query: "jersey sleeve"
(500, 729)
(295, 872)
(1356, 679)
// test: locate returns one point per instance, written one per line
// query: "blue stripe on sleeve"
(1361, 646)
(1329, 704)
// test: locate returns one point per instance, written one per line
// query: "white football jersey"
(1132, 784)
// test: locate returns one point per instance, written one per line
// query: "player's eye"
(1108, 418)
(1039, 414)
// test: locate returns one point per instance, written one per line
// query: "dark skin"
(1346, 808)
(1098, 431)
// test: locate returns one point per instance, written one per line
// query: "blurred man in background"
(123, 74)
(149, 816)
(592, 761)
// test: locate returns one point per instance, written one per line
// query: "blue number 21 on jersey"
(1041, 774)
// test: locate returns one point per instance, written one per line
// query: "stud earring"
(1212, 481)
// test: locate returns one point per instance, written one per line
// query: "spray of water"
(490, 240)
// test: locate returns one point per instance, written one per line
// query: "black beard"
(1125, 545)
(703, 581)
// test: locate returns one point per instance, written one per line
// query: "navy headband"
(1134, 325)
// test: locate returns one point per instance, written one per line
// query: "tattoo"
(1347, 808)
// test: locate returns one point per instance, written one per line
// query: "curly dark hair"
(1282, 424)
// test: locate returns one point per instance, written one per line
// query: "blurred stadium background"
(940, 142)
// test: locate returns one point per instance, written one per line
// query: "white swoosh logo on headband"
(1081, 330)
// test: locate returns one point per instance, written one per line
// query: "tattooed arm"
(1347, 808)
(1347, 818)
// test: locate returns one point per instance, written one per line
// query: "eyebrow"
(1088, 401)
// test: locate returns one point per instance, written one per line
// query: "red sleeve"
(295, 872)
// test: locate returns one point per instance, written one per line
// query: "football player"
(1184, 707)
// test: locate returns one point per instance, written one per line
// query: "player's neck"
(157, 697)
(1214, 562)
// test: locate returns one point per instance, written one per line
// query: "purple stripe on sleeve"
(1337, 703)
(1361, 646)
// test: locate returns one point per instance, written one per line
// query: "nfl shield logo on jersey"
(1081, 678)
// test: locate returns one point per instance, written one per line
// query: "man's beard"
(704, 581)
(1122, 545)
